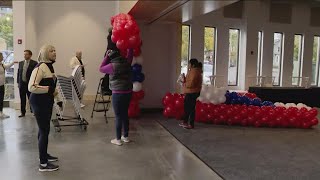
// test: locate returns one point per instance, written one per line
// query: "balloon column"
(138, 93)
(126, 35)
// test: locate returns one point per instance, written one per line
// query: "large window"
(209, 54)
(277, 58)
(259, 60)
(185, 48)
(315, 60)
(6, 47)
(297, 59)
(234, 39)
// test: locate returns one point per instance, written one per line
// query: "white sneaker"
(82, 105)
(3, 116)
(116, 142)
(125, 139)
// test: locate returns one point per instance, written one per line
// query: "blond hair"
(44, 53)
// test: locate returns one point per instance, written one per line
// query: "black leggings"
(1, 97)
(42, 105)
(190, 101)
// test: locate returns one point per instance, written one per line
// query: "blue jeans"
(121, 104)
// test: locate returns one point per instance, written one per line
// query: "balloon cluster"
(138, 93)
(246, 99)
(173, 105)
(288, 105)
(126, 34)
(211, 94)
(265, 116)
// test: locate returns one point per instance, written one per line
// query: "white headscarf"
(44, 53)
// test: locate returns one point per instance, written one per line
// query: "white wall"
(249, 25)
(71, 26)
(18, 33)
(159, 54)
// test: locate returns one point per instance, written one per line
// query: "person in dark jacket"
(119, 70)
(24, 72)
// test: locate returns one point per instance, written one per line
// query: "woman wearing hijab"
(42, 86)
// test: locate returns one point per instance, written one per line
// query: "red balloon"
(114, 38)
(308, 116)
(209, 117)
(284, 123)
(122, 44)
(271, 124)
(133, 40)
(237, 119)
(179, 103)
(230, 122)
(129, 26)
(244, 122)
(314, 121)
(116, 33)
(170, 110)
(313, 112)
(136, 52)
(179, 114)
(306, 125)
(251, 120)
(257, 124)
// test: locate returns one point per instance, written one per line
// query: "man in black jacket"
(24, 72)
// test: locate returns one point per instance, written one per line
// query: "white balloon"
(137, 86)
(215, 91)
(214, 101)
(134, 61)
(222, 99)
(209, 95)
(200, 98)
(139, 60)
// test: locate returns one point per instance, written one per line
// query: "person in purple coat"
(119, 70)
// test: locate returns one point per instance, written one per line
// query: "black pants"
(24, 93)
(121, 104)
(1, 97)
(190, 101)
(42, 105)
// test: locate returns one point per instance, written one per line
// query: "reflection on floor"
(154, 154)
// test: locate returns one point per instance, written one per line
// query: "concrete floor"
(153, 155)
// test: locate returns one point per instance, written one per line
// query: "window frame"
(238, 57)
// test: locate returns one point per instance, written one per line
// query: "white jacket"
(3, 68)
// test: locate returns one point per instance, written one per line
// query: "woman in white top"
(42, 86)
(3, 68)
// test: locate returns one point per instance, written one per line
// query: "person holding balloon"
(191, 88)
(120, 76)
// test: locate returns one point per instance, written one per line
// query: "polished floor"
(153, 155)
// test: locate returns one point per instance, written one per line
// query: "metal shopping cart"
(70, 91)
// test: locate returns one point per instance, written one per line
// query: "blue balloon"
(139, 77)
(136, 68)
(234, 95)
(256, 102)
